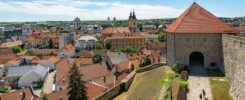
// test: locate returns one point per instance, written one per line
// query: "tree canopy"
(108, 44)
(162, 37)
(77, 87)
(17, 49)
(30, 53)
(98, 46)
(1, 35)
(51, 44)
(97, 58)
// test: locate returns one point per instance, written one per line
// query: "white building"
(28, 74)
(67, 51)
(66, 38)
(86, 43)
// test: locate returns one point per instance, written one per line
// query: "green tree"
(98, 46)
(140, 27)
(147, 61)
(157, 23)
(97, 58)
(51, 44)
(17, 49)
(108, 44)
(1, 35)
(132, 67)
(175, 68)
(40, 56)
(162, 37)
(77, 87)
(30, 53)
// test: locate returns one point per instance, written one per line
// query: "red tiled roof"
(93, 91)
(89, 71)
(27, 91)
(156, 45)
(198, 20)
(68, 47)
(85, 54)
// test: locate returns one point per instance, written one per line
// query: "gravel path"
(48, 85)
(199, 80)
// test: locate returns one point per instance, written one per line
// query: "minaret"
(132, 22)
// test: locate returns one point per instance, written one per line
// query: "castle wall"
(170, 49)
(234, 62)
(184, 44)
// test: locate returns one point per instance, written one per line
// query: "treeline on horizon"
(120, 23)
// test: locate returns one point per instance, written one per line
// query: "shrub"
(5, 89)
(17, 49)
(175, 68)
(184, 84)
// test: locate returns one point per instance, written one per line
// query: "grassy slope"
(220, 89)
(146, 85)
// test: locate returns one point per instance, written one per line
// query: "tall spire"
(130, 16)
(134, 16)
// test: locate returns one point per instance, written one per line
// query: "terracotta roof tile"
(85, 54)
(198, 20)
(68, 47)
(29, 95)
(11, 44)
(93, 91)
(156, 45)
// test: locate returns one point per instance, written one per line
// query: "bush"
(175, 68)
(184, 84)
(128, 50)
(17, 49)
(30, 53)
(5, 89)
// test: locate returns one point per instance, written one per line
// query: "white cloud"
(88, 10)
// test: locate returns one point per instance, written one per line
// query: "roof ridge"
(187, 11)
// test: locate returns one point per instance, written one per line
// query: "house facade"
(124, 40)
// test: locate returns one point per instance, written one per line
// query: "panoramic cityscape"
(122, 50)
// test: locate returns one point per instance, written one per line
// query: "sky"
(67, 10)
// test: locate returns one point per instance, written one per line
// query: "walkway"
(198, 80)
(48, 85)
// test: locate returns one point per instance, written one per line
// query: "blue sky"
(54, 10)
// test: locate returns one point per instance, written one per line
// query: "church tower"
(76, 23)
(114, 21)
(132, 22)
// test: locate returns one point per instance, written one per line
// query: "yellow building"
(124, 40)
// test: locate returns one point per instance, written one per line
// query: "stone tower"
(195, 39)
(27, 29)
(76, 23)
(132, 22)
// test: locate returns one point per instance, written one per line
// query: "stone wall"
(182, 45)
(170, 49)
(234, 62)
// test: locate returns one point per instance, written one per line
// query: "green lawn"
(146, 85)
(220, 85)
(220, 88)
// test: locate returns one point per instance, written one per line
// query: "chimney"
(104, 79)
(23, 94)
